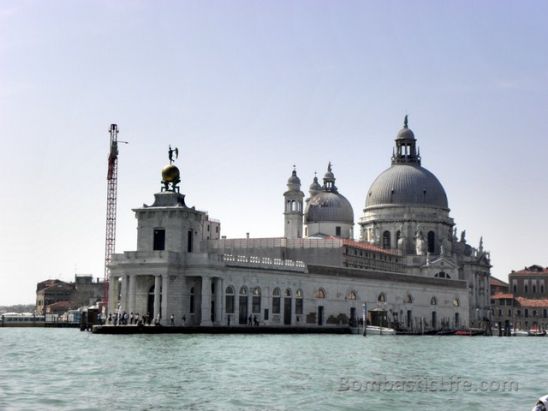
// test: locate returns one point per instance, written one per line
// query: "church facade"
(408, 269)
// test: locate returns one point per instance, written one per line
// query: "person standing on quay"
(172, 320)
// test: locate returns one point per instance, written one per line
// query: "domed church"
(407, 268)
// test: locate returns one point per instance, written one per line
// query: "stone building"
(407, 265)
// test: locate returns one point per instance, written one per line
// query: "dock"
(135, 329)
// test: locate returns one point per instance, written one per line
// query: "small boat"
(470, 332)
(375, 330)
(536, 333)
(519, 333)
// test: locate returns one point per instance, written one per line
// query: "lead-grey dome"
(329, 206)
(407, 184)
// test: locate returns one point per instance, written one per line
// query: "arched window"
(320, 293)
(381, 298)
(288, 292)
(386, 239)
(352, 295)
(299, 302)
(431, 242)
(256, 301)
(276, 294)
(243, 290)
(229, 300)
(433, 301)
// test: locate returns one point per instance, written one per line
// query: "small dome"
(315, 187)
(170, 174)
(407, 184)
(294, 179)
(329, 206)
(405, 134)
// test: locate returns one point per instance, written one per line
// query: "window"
(526, 289)
(299, 302)
(515, 289)
(386, 239)
(189, 241)
(276, 301)
(542, 289)
(256, 301)
(526, 312)
(534, 289)
(159, 239)
(544, 313)
(338, 231)
(288, 292)
(229, 300)
(431, 242)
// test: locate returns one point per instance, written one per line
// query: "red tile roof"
(496, 282)
(500, 296)
(367, 246)
(528, 302)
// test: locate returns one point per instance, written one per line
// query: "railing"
(263, 262)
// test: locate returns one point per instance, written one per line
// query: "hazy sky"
(246, 89)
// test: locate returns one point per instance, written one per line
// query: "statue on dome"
(172, 151)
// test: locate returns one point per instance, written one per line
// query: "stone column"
(131, 294)
(123, 297)
(165, 314)
(206, 301)
(157, 291)
(219, 292)
(112, 294)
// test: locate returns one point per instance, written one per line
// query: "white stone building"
(408, 266)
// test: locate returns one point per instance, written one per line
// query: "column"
(165, 314)
(132, 290)
(123, 297)
(219, 292)
(206, 301)
(157, 291)
(112, 294)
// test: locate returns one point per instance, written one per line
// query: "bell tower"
(406, 147)
(293, 207)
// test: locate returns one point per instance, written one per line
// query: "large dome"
(329, 206)
(407, 184)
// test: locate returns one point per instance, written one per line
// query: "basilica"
(407, 267)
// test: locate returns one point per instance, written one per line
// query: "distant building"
(498, 286)
(524, 302)
(56, 296)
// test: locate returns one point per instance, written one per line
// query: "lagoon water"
(44, 369)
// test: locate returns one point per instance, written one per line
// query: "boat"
(519, 333)
(535, 332)
(375, 330)
(470, 332)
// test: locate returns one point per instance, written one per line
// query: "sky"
(246, 89)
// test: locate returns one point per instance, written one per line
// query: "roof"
(367, 246)
(60, 306)
(534, 270)
(529, 302)
(407, 184)
(496, 282)
(502, 296)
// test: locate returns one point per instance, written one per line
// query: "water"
(68, 369)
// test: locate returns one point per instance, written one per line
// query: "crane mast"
(112, 192)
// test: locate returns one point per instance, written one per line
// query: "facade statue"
(463, 236)
(420, 244)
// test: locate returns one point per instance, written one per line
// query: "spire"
(405, 121)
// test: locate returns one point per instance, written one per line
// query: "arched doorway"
(242, 318)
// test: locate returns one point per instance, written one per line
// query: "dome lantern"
(406, 146)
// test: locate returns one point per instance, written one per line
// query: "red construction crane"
(112, 190)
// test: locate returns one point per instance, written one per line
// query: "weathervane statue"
(172, 151)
